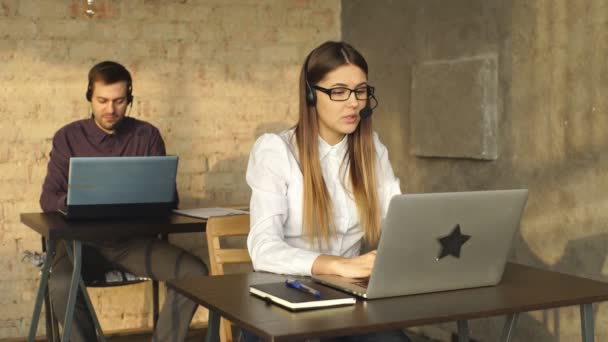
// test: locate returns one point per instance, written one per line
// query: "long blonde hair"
(360, 159)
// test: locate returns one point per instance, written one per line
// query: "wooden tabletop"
(522, 288)
(54, 225)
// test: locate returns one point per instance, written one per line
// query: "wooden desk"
(522, 289)
(54, 226)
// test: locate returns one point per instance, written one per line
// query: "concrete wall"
(551, 125)
(212, 75)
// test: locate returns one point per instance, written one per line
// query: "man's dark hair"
(109, 72)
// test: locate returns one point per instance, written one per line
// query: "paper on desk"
(208, 212)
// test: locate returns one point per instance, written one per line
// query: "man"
(110, 133)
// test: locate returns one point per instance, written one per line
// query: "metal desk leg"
(509, 328)
(44, 279)
(69, 313)
(87, 300)
(50, 337)
(49, 327)
(55, 325)
(154, 303)
(587, 322)
(213, 327)
(463, 331)
(52, 326)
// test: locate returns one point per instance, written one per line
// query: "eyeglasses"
(343, 94)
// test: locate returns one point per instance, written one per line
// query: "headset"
(311, 94)
(115, 70)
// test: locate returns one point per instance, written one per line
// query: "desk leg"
(69, 313)
(52, 326)
(463, 331)
(44, 279)
(213, 327)
(50, 323)
(587, 322)
(509, 328)
(50, 334)
(154, 303)
(87, 300)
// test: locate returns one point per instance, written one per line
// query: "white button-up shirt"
(276, 241)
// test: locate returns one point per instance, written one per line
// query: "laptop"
(117, 187)
(440, 241)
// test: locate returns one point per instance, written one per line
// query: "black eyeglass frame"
(370, 92)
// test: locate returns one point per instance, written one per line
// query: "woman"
(320, 189)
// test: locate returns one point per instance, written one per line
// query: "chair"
(218, 228)
(94, 276)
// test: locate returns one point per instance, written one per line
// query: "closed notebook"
(294, 299)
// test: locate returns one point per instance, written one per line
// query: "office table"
(54, 226)
(522, 289)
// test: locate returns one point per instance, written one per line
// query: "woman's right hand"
(355, 267)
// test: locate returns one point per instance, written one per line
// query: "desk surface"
(54, 226)
(522, 289)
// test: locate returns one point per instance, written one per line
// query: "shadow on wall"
(596, 249)
(546, 325)
(225, 185)
(225, 182)
(562, 229)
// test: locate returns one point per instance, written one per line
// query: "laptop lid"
(442, 241)
(121, 186)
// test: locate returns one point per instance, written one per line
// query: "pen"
(294, 284)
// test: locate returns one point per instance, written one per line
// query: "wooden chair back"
(219, 228)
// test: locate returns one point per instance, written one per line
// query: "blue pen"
(294, 284)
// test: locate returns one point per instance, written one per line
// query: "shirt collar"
(96, 133)
(338, 149)
(99, 135)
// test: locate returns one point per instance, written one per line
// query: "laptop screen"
(121, 180)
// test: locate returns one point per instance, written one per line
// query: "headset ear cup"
(311, 97)
(89, 94)
(130, 94)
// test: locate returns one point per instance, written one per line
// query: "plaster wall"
(551, 124)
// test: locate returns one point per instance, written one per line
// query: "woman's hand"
(356, 267)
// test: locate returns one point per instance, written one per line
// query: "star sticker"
(451, 244)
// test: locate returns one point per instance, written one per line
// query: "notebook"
(111, 187)
(440, 241)
(294, 299)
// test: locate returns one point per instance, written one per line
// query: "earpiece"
(89, 94)
(311, 96)
(368, 110)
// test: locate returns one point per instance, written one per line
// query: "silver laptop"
(440, 241)
(104, 187)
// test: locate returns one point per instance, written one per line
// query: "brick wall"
(211, 75)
